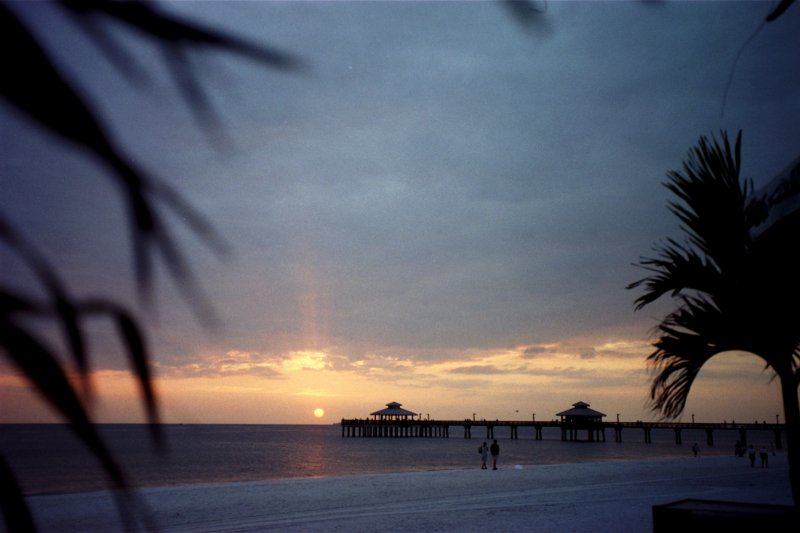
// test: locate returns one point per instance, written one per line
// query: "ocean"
(48, 458)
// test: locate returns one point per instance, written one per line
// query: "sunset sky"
(442, 208)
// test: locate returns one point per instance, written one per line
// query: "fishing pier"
(395, 422)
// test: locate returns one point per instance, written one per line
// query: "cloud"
(231, 363)
(315, 394)
(270, 366)
(532, 352)
(440, 196)
(480, 370)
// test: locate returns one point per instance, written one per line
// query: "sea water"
(49, 458)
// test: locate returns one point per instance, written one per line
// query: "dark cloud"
(437, 181)
(479, 370)
(532, 352)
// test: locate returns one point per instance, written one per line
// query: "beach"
(608, 496)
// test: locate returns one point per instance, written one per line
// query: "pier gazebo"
(581, 417)
(394, 421)
(393, 411)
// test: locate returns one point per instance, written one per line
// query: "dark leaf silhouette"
(176, 37)
(137, 352)
(173, 31)
(40, 364)
(778, 11)
(525, 12)
(55, 290)
(34, 85)
(47, 97)
(42, 367)
(673, 269)
(17, 515)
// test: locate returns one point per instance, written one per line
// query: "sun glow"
(319, 412)
(306, 360)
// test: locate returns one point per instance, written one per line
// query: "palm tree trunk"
(791, 414)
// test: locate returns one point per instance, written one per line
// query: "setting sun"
(319, 413)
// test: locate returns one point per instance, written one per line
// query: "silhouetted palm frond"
(45, 95)
(39, 89)
(675, 269)
(34, 84)
(779, 9)
(711, 202)
(17, 516)
(69, 313)
(41, 364)
(526, 12)
(176, 37)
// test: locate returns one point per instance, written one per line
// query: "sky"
(443, 207)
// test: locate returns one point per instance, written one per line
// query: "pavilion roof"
(393, 409)
(581, 409)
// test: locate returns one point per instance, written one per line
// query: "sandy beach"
(589, 497)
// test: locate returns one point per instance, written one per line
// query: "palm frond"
(36, 86)
(61, 303)
(710, 205)
(675, 270)
(41, 366)
(18, 517)
(526, 12)
(778, 11)
(138, 355)
(685, 345)
(68, 312)
(711, 200)
(176, 38)
(40, 90)
(171, 30)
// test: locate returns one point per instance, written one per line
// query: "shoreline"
(209, 454)
(429, 470)
(613, 496)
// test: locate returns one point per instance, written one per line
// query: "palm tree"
(735, 288)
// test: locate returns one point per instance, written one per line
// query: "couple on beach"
(485, 450)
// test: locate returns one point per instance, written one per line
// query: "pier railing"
(594, 431)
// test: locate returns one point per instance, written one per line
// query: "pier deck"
(370, 428)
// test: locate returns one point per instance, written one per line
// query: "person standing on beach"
(762, 453)
(484, 451)
(695, 449)
(495, 450)
(751, 454)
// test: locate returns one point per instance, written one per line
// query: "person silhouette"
(484, 451)
(751, 454)
(764, 456)
(495, 451)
